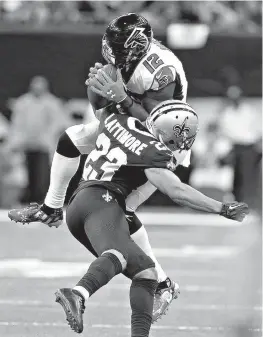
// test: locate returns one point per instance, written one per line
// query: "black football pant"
(96, 220)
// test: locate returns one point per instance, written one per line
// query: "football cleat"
(34, 213)
(235, 211)
(165, 293)
(73, 305)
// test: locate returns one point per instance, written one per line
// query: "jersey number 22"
(116, 158)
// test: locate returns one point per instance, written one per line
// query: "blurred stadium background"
(47, 48)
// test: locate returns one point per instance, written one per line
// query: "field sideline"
(217, 266)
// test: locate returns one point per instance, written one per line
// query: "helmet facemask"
(122, 57)
(126, 41)
(107, 52)
(182, 143)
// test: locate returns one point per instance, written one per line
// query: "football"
(99, 102)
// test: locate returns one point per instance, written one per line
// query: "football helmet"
(174, 123)
(126, 40)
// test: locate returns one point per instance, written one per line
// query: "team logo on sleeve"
(164, 76)
(137, 37)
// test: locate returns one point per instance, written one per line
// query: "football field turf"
(217, 267)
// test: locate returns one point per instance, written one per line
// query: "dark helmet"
(127, 39)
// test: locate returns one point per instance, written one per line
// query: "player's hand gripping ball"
(96, 100)
(93, 71)
(108, 84)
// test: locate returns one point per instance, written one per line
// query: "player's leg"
(106, 229)
(167, 289)
(140, 237)
(100, 225)
(114, 239)
(140, 268)
(88, 217)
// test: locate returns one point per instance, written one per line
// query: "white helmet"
(174, 123)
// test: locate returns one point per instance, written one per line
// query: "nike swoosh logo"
(232, 207)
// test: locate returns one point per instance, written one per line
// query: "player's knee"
(119, 256)
(150, 273)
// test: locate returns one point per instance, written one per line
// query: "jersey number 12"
(153, 62)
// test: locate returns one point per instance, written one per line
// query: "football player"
(95, 215)
(148, 69)
(148, 72)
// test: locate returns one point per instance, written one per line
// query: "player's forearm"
(181, 193)
(185, 195)
(134, 109)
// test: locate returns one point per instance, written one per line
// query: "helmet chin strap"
(128, 61)
(162, 141)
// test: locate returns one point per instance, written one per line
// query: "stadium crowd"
(220, 16)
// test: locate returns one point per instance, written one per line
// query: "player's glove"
(235, 211)
(93, 71)
(37, 213)
(103, 85)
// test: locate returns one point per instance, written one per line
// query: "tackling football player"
(95, 215)
(150, 73)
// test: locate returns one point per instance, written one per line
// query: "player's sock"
(62, 170)
(100, 272)
(141, 239)
(141, 299)
(83, 292)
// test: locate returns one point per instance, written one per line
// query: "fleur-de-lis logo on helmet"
(137, 37)
(181, 130)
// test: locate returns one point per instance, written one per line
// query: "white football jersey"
(157, 69)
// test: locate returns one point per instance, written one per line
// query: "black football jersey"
(124, 149)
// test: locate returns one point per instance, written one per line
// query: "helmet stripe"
(169, 108)
(169, 103)
(160, 113)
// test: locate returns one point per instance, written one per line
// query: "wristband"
(225, 211)
(124, 104)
